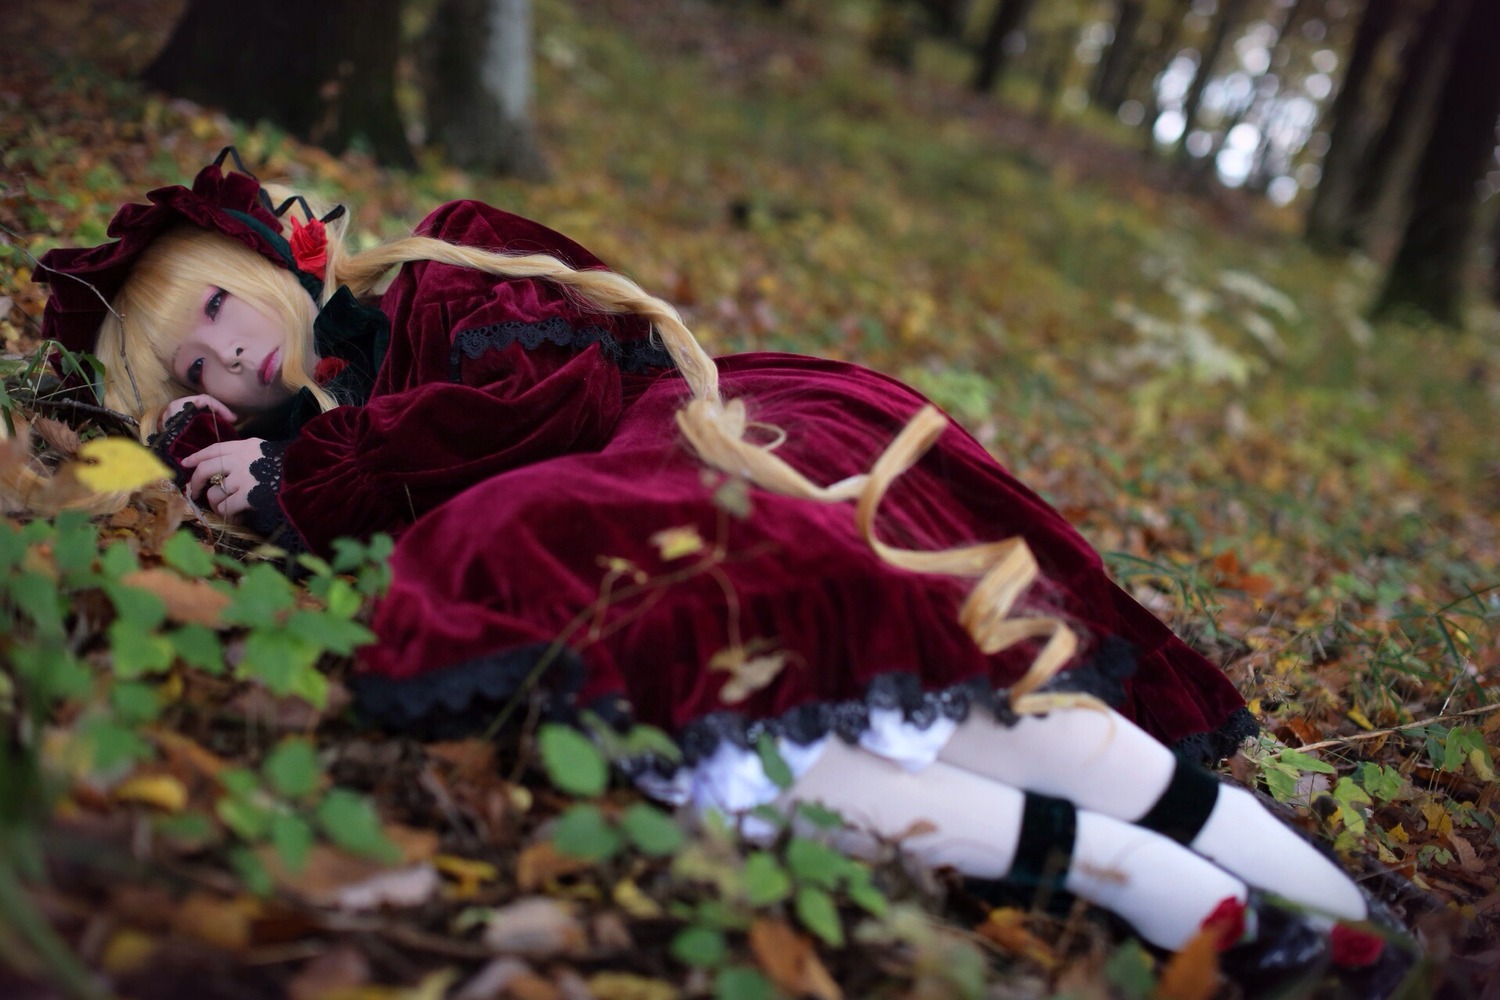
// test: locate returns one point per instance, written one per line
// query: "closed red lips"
(269, 367)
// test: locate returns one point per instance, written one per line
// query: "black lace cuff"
(632, 356)
(264, 515)
(165, 441)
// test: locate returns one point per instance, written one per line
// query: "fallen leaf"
(117, 465)
(541, 863)
(467, 873)
(59, 435)
(331, 973)
(675, 543)
(494, 979)
(1006, 928)
(1468, 860)
(163, 791)
(223, 923)
(127, 951)
(193, 602)
(534, 928)
(398, 889)
(790, 961)
(1192, 973)
(624, 986)
(749, 673)
(629, 897)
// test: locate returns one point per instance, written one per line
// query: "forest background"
(1306, 489)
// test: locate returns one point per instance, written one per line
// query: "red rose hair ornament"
(310, 247)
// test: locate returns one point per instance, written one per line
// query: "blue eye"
(214, 304)
(195, 374)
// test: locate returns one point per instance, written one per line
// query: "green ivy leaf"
(198, 646)
(1383, 783)
(292, 839)
(329, 631)
(75, 545)
(251, 871)
(1350, 797)
(117, 561)
(12, 549)
(863, 892)
(138, 652)
(188, 556)
(292, 768)
(276, 659)
(766, 882)
(134, 702)
(771, 760)
(816, 911)
(584, 833)
(1305, 762)
(651, 830)
(351, 823)
(40, 600)
(141, 608)
(815, 863)
(249, 819)
(112, 745)
(699, 947)
(51, 671)
(740, 982)
(820, 816)
(572, 761)
(260, 598)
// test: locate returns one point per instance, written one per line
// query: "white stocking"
(1102, 761)
(974, 824)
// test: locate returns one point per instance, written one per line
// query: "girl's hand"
(176, 406)
(222, 477)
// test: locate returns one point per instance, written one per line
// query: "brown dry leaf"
(57, 434)
(536, 927)
(190, 602)
(400, 888)
(127, 951)
(790, 961)
(183, 754)
(223, 923)
(332, 972)
(1468, 860)
(541, 863)
(1006, 928)
(1192, 973)
(493, 980)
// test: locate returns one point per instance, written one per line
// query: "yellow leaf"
(128, 951)
(1398, 833)
(1006, 927)
(1360, 719)
(674, 543)
(160, 790)
(1480, 758)
(1438, 820)
(467, 872)
(117, 465)
(629, 897)
(624, 986)
(750, 673)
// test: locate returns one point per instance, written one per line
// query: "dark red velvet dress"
(524, 452)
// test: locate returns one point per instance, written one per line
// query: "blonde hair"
(714, 427)
(162, 300)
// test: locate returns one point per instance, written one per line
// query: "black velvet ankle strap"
(1044, 850)
(1185, 805)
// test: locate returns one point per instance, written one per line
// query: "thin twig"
(1376, 733)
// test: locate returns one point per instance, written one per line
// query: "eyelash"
(211, 310)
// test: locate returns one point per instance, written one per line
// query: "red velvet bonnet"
(85, 279)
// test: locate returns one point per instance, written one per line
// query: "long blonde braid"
(716, 429)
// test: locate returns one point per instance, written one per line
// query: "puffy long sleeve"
(483, 375)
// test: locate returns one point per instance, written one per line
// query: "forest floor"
(1310, 499)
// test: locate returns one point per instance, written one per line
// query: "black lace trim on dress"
(264, 516)
(1213, 746)
(465, 698)
(632, 356)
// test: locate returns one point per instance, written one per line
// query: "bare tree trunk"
(1229, 16)
(1120, 58)
(1428, 272)
(1057, 52)
(1166, 47)
(479, 91)
(1353, 123)
(1384, 179)
(325, 72)
(1010, 16)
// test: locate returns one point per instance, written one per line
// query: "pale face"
(233, 353)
